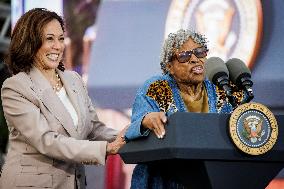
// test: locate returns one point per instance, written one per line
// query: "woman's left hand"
(113, 147)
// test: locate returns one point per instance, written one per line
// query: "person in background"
(53, 125)
(182, 88)
(88, 39)
(4, 74)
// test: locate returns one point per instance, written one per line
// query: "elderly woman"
(182, 87)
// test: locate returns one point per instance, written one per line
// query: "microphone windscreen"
(237, 68)
(215, 66)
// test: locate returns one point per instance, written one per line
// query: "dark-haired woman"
(53, 125)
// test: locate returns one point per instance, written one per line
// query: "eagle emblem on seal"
(253, 128)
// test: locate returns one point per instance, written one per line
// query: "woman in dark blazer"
(53, 126)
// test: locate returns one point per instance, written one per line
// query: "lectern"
(198, 151)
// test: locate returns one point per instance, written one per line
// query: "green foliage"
(245, 134)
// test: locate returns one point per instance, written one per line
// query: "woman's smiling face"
(51, 51)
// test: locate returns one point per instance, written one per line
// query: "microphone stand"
(246, 84)
(223, 82)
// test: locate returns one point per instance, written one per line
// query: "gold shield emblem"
(253, 128)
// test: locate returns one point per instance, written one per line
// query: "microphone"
(218, 74)
(240, 75)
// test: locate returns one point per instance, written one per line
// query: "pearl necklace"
(57, 86)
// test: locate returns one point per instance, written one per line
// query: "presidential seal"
(253, 128)
(233, 28)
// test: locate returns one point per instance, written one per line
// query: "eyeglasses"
(184, 56)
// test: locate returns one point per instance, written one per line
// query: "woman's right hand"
(155, 121)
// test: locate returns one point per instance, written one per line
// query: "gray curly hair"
(175, 41)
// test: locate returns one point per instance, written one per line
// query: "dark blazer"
(46, 150)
